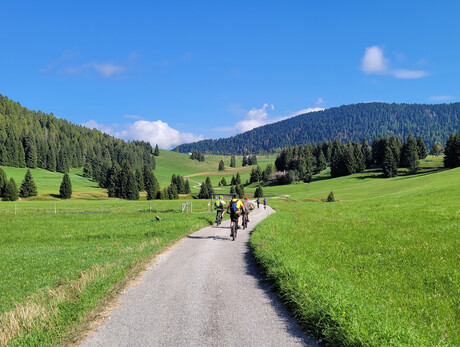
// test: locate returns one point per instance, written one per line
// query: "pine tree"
(258, 193)
(232, 161)
(187, 187)
(209, 186)
(452, 151)
(390, 164)
(113, 181)
(239, 190)
(233, 181)
(223, 181)
(204, 193)
(409, 155)
(156, 152)
(245, 161)
(232, 190)
(3, 181)
(238, 178)
(88, 169)
(139, 180)
(30, 148)
(151, 184)
(28, 187)
(132, 192)
(66, 187)
(221, 165)
(421, 148)
(330, 197)
(10, 192)
(367, 154)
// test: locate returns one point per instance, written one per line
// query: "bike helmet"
(245, 198)
(221, 197)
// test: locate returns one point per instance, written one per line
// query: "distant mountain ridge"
(348, 123)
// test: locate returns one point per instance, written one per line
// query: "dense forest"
(346, 123)
(36, 139)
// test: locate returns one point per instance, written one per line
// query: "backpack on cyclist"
(234, 206)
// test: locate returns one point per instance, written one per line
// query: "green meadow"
(378, 267)
(58, 267)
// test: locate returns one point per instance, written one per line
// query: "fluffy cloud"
(157, 132)
(257, 117)
(374, 62)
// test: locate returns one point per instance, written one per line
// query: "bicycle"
(219, 218)
(245, 221)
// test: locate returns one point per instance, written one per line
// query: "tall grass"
(380, 267)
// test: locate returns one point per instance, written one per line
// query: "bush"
(330, 197)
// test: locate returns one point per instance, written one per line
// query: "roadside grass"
(378, 268)
(57, 269)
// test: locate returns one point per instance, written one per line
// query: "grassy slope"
(379, 267)
(57, 267)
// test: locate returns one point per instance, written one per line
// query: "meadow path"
(205, 291)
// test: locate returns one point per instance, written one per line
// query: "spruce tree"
(10, 193)
(421, 148)
(239, 190)
(3, 181)
(330, 197)
(452, 151)
(436, 149)
(113, 181)
(245, 161)
(209, 186)
(409, 155)
(151, 184)
(258, 193)
(88, 169)
(28, 187)
(30, 148)
(132, 191)
(232, 190)
(223, 181)
(233, 181)
(139, 180)
(204, 193)
(238, 178)
(156, 151)
(390, 164)
(367, 154)
(187, 187)
(232, 161)
(221, 165)
(65, 190)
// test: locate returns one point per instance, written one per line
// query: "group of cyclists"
(236, 208)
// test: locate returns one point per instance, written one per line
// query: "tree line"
(349, 123)
(35, 139)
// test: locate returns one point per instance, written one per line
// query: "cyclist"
(247, 206)
(258, 202)
(265, 203)
(220, 206)
(235, 207)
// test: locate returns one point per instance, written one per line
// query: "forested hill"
(347, 123)
(36, 139)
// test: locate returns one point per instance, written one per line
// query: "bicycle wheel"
(234, 228)
(245, 222)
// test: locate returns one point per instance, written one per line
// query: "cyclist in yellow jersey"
(235, 207)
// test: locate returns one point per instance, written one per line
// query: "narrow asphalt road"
(206, 291)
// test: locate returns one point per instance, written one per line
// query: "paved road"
(206, 291)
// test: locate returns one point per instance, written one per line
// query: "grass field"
(379, 267)
(57, 268)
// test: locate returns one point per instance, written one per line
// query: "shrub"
(330, 197)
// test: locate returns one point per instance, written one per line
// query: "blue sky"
(170, 72)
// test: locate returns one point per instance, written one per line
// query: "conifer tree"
(330, 197)
(187, 187)
(204, 193)
(139, 180)
(151, 184)
(232, 190)
(409, 155)
(223, 181)
(390, 164)
(88, 169)
(10, 192)
(320, 162)
(221, 165)
(238, 178)
(232, 161)
(245, 161)
(28, 187)
(239, 190)
(113, 181)
(3, 181)
(367, 154)
(132, 192)
(156, 151)
(65, 190)
(30, 148)
(209, 186)
(233, 181)
(421, 148)
(452, 151)
(258, 193)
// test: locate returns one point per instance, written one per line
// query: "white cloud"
(374, 62)
(257, 117)
(108, 69)
(156, 132)
(441, 98)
